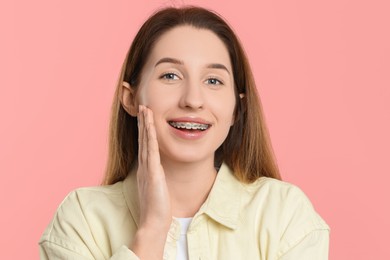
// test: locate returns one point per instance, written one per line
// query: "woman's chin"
(186, 156)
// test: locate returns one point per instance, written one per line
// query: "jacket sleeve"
(305, 235)
(314, 246)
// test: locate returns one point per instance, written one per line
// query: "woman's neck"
(189, 185)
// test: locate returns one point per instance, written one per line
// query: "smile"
(189, 125)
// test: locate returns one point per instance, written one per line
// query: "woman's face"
(188, 83)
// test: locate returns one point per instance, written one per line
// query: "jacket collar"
(224, 201)
(222, 205)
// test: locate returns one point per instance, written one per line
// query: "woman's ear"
(128, 99)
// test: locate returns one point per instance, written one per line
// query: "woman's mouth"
(189, 125)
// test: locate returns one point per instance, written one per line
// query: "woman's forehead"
(190, 46)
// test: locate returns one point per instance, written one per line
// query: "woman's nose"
(192, 96)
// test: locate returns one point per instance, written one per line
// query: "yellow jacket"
(267, 220)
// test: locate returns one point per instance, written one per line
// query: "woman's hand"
(155, 206)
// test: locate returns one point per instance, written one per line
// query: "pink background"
(323, 71)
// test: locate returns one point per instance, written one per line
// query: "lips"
(189, 128)
(189, 125)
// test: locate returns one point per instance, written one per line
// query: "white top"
(182, 249)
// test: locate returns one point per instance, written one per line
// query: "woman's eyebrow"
(169, 60)
(179, 62)
(217, 66)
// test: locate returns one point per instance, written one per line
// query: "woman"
(191, 173)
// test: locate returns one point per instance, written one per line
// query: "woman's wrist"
(149, 243)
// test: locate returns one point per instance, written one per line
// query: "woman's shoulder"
(285, 210)
(88, 198)
(107, 192)
(276, 190)
(86, 218)
(285, 204)
(84, 207)
(264, 188)
(95, 197)
(271, 199)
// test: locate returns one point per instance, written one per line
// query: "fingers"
(144, 154)
(152, 143)
(148, 152)
(140, 135)
(153, 192)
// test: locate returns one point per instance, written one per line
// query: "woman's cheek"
(143, 96)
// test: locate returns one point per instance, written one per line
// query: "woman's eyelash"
(174, 76)
(214, 81)
(169, 76)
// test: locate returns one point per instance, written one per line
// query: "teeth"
(188, 125)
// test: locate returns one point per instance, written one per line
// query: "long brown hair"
(247, 149)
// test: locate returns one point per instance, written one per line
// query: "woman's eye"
(169, 76)
(213, 81)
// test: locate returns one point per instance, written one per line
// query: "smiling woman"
(186, 82)
(191, 173)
